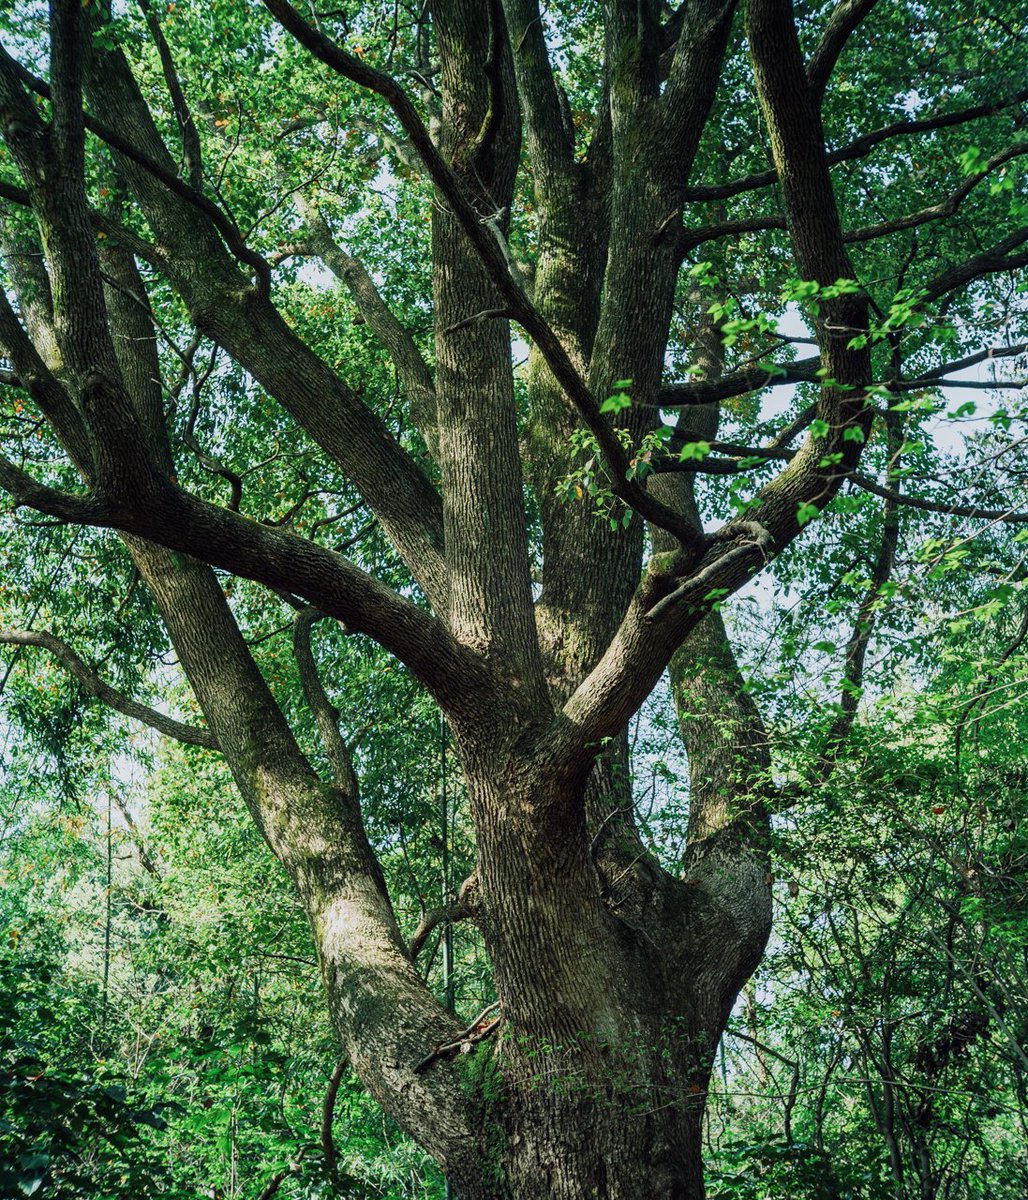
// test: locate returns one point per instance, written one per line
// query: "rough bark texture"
(615, 976)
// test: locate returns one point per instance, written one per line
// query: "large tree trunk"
(614, 994)
(614, 975)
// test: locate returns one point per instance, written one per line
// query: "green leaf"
(967, 409)
(616, 403)
(971, 160)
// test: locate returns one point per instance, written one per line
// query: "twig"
(487, 314)
(462, 1044)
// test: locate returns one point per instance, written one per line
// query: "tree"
(539, 554)
(880, 1051)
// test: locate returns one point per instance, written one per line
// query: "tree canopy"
(608, 416)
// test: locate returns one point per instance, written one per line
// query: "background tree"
(527, 542)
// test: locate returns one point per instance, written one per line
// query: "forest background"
(163, 1026)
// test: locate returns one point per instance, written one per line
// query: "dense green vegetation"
(163, 1022)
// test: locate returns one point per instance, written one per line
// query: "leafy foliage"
(162, 1026)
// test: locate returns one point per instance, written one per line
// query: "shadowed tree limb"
(805, 370)
(326, 716)
(458, 911)
(221, 221)
(328, 1110)
(942, 208)
(381, 321)
(997, 259)
(224, 305)
(864, 623)
(690, 239)
(551, 145)
(494, 257)
(191, 154)
(844, 19)
(861, 146)
(1007, 516)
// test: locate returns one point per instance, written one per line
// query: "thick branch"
(995, 260)
(91, 682)
(690, 239)
(479, 230)
(642, 647)
(845, 18)
(382, 1010)
(50, 160)
(65, 506)
(681, 395)
(805, 370)
(551, 144)
(45, 390)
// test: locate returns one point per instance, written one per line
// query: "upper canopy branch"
(480, 230)
(805, 370)
(845, 18)
(102, 223)
(690, 239)
(379, 317)
(861, 146)
(675, 595)
(997, 259)
(222, 221)
(34, 376)
(1005, 516)
(551, 143)
(247, 324)
(188, 132)
(943, 208)
(701, 36)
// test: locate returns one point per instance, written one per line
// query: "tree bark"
(614, 975)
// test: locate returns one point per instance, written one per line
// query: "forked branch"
(479, 230)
